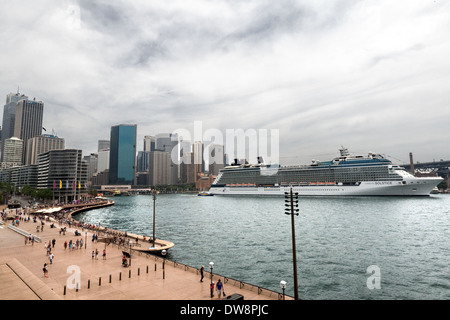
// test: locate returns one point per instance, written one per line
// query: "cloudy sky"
(371, 75)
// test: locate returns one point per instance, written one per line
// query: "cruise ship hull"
(416, 187)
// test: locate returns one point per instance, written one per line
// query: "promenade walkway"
(22, 277)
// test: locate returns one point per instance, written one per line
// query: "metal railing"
(24, 233)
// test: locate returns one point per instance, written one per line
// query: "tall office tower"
(103, 145)
(186, 160)
(167, 142)
(187, 169)
(216, 159)
(64, 172)
(92, 163)
(142, 161)
(9, 115)
(42, 144)
(122, 157)
(103, 160)
(159, 168)
(149, 143)
(28, 122)
(12, 153)
(199, 161)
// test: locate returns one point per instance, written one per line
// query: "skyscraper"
(122, 156)
(103, 145)
(13, 150)
(216, 158)
(149, 143)
(9, 116)
(159, 168)
(199, 161)
(28, 121)
(167, 142)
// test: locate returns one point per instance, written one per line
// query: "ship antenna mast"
(344, 152)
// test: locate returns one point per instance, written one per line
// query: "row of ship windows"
(299, 180)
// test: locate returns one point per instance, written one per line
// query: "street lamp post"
(211, 266)
(164, 252)
(211, 288)
(130, 243)
(291, 203)
(154, 206)
(283, 287)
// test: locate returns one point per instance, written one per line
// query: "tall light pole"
(164, 252)
(211, 266)
(291, 203)
(211, 289)
(154, 192)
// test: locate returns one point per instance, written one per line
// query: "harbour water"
(403, 242)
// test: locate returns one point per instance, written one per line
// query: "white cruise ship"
(371, 175)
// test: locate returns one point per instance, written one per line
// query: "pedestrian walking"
(201, 273)
(53, 242)
(96, 254)
(50, 257)
(104, 254)
(219, 287)
(45, 270)
(211, 289)
(65, 245)
(93, 254)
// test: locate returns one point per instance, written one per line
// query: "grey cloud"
(308, 68)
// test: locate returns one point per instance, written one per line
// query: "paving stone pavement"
(22, 276)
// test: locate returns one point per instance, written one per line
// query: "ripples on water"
(249, 239)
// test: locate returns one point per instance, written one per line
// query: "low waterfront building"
(64, 172)
(20, 176)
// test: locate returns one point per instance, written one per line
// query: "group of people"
(94, 254)
(74, 245)
(219, 285)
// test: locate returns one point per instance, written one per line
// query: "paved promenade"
(22, 276)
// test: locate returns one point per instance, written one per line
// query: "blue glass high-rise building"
(122, 157)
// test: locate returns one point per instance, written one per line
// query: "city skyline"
(369, 75)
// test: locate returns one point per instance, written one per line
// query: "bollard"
(147, 268)
(129, 273)
(120, 275)
(89, 283)
(139, 271)
(99, 281)
(64, 290)
(76, 287)
(109, 278)
(155, 266)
